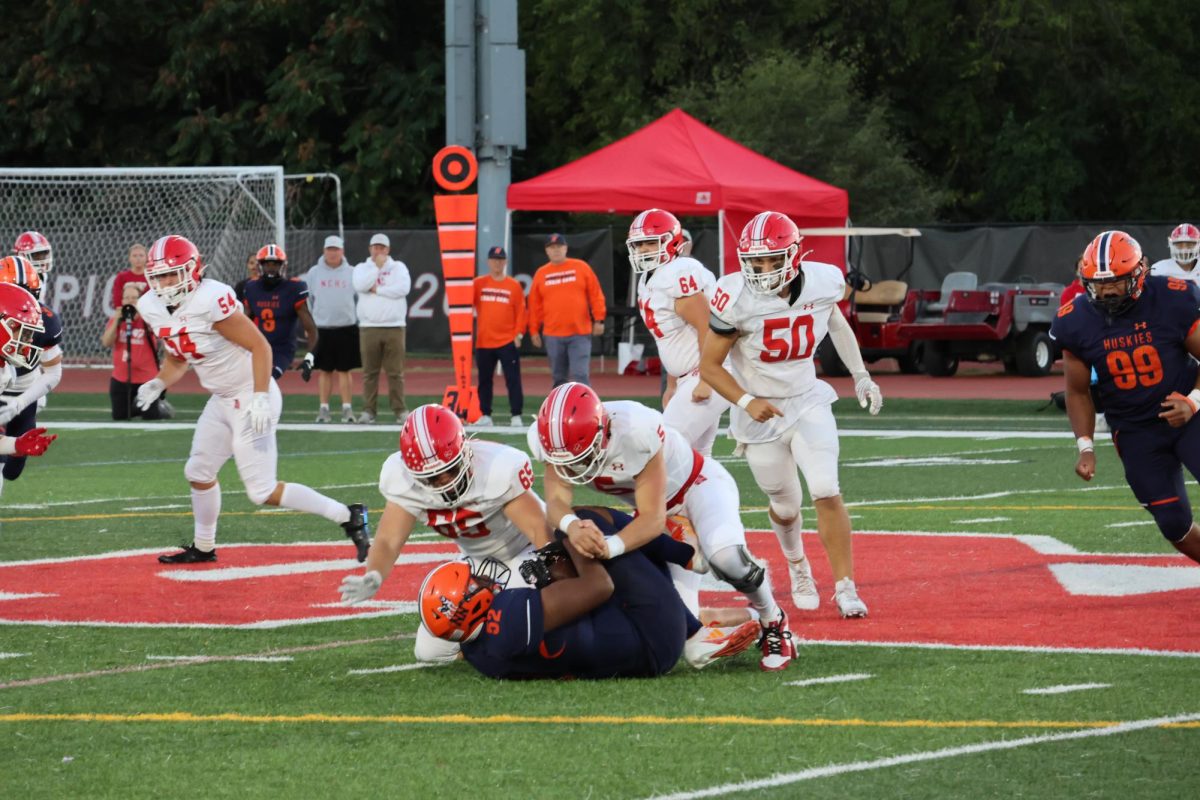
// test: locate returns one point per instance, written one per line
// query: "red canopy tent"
(684, 166)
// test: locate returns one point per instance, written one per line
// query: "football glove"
(148, 392)
(306, 367)
(34, 442)
(260, 412)
(360, 588)
(869, 395)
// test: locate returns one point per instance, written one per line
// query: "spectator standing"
(382, 284)
(135, 360)
(331, 297)
(252, 274)
(136, 274)
(499, 327)
(567, 307)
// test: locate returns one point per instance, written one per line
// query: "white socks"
(206, 507)
(301, 498)
(789, 537)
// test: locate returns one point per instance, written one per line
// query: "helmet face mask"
(436, 451)
(654, 239)
(583, 468)
(770, 235)
(20, 322)
(1113, 270)
(573, 431)
(272, 265)
(1184, 243)
(173, 269)
(35, 247)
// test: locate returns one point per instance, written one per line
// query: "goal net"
(93, 216)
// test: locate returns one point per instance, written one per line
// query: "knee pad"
(259, 490)
(1174, 519)
(194, 472)
(737, 567)
(786, 505)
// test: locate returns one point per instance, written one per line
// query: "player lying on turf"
(620, 617)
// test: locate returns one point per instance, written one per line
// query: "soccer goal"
(93, 216)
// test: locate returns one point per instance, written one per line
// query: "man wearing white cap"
(331, 297)
(382, 284)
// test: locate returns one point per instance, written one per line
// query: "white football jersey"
(637, 433)
(777, 341)
(187, 332)
(476, 523)
(1169, 268)
(678, 345)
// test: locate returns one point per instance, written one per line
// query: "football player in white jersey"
(200, 323)
(673, 291)
(771, 316)
(480, 494)
(623, 449)
(36, 247)
(1184, 243)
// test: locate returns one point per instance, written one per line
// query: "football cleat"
(681, 530)
(711, 643)
(804, 588)
(190, 554)
(348, 414)
(845, 594)
(778, 649)
(358, 528)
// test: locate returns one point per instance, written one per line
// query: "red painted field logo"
(987, 591)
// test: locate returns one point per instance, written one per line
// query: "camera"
(128, 312)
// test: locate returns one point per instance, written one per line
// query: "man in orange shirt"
(567, 306)
(499, 326)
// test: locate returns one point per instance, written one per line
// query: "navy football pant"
(1154, 456)
(25, 421)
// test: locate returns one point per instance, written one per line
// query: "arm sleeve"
(301, 294)
(41, 386)
(846, 344)
(519, 304)
(596, 297)
(535, 306)
(399, 287)
(364, 276)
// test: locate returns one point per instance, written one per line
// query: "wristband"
(566, 521)
(616, 546)
(1193, 397)
(1084, 443)
(745, 400)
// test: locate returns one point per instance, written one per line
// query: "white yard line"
(256, 659)
(853, 676)
(786, 779)
(393, 668)
(979, 521)
(14, 655)
(1137, 524)
(1066, 687)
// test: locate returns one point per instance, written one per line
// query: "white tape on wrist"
(745, 400)
(566, 521)
(1194, 398)
(616, 546)
(1084, 443)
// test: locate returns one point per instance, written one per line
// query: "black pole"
(129, 367)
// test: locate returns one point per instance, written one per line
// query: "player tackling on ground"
(200, 323)
(772, 315)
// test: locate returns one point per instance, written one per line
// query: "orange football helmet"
(455, 597)
(20, 271)
(1113, 257)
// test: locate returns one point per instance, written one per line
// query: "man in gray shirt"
(331, 297)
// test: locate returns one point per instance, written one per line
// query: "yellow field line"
(513, 719)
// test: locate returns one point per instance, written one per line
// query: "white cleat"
(804, 588)
(845, 594)
(709, 644)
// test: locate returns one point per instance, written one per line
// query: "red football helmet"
(19, 270)
(20, 322)
(455, 597)
(1184, 242)
(659, 227)
(435, 450)
(173, 269)
(36, 248)
(770, 235)
(573, 426)
(1113, 257)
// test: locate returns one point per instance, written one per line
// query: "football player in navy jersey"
(37, 366)
(1141, 335)
(596, 619)
(275, 303)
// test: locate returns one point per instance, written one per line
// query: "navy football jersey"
(50, 337)
(1139, 357)
(600, 644)
(274, 310)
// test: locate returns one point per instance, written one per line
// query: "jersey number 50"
(787, 339)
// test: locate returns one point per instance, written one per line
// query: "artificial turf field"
(989, 568)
